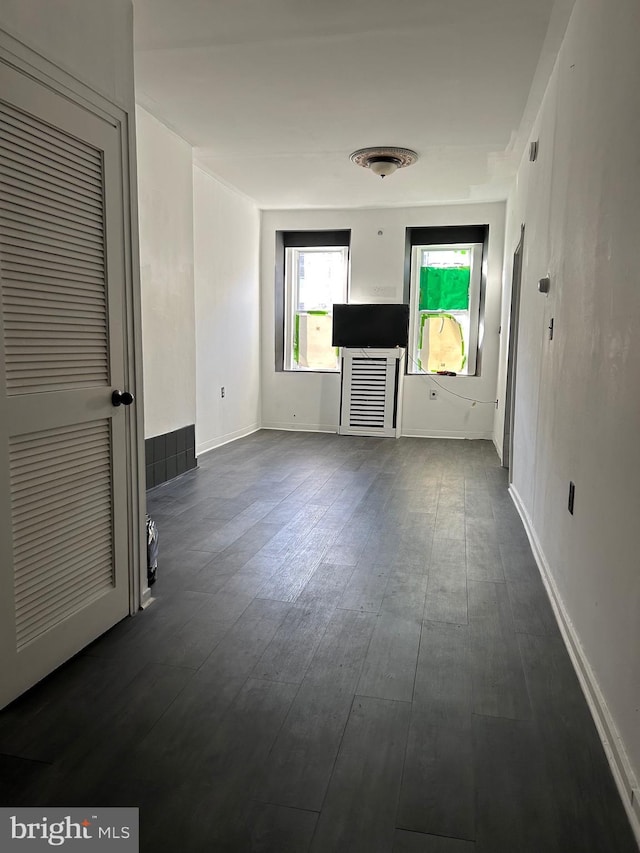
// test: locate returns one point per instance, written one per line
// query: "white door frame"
(512, 356)
(28, 61)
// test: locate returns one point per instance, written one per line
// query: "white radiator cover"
(371, 394)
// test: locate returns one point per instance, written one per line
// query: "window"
(315, 279)
(315, 272)
(445, 297)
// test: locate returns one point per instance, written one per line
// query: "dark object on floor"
(152, 551)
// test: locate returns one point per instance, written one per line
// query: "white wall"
(577, 402)
(165, 198)
(90, 39)
(227, 299)
(311, 400)
(199, 250)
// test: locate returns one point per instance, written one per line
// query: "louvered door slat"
(43, 579)
(62, 199)
(81, 489)
(61, 175)
(64, 561)
(62, 492)
(77, 597)
(29, 127)
(22, 322)
(32, 368)
(37, 348)
(57, 457)
(53, 473)
(39, 150)
(29, 597)
(53, 338)
(30, 593)
(56, 567)
(57, 478)
(41, 526)
(41, 272)
(46, 176)
(31, 241)
(88, 446)
(57, 291)
(33, 551)
(28, 186)
(60, 260)
(39, 210)
(35, 226)
(18, 305)
(45, 438)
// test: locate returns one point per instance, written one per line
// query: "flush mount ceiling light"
(384, 160)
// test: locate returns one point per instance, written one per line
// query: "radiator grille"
(367, 405)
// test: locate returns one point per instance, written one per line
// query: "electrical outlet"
(433, 394)
(572, 494)
(222, 391)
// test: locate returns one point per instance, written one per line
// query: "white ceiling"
(274, 95)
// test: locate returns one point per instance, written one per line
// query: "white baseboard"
(409, 433)
(612, 742)
(206, 446)
(497, 443)
(446, 433)
(296, 427)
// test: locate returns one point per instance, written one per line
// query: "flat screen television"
(382, 325)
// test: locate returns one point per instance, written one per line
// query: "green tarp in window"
(444, 288)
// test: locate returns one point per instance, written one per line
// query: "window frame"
(444, 237)
(310, 240)
(473, 310)
(291, 300)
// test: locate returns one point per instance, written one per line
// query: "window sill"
(305, 370)
(444, 376)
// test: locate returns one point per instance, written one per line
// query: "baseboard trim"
(498, 444)
(447, 433)
(295, 427)
(409, 433)
(206, 446)
(612, 742)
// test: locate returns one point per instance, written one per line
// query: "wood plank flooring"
(350, 651)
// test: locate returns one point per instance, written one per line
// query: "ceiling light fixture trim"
(384, 160)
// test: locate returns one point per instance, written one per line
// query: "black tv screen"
(380, 325)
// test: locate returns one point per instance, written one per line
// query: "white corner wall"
(90, 39)
(310, 401)
(165, 199)
(227, 300)
(577, 402)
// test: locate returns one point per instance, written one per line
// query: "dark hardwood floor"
(351, 651)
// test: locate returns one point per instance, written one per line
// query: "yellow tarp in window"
(441, 343)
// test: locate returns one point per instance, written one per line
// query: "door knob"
(122, 398)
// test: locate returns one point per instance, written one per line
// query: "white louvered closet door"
(63, 495)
